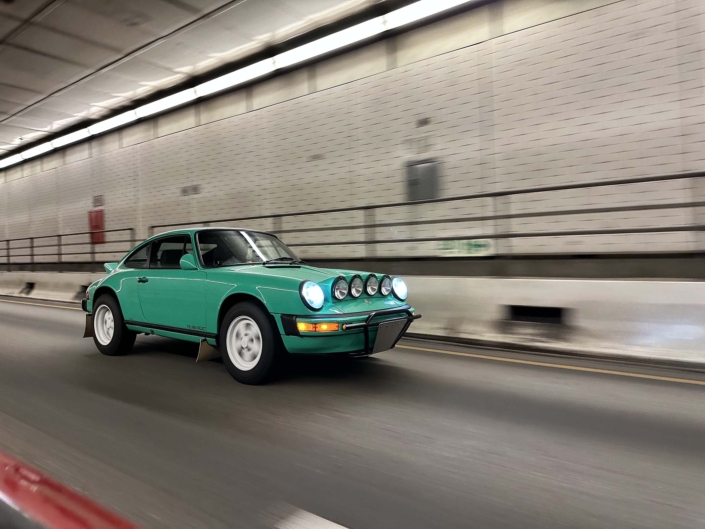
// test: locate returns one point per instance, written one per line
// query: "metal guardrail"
(65, 247)
(31, 250)
(370, 225)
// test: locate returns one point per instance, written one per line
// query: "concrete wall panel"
(512, 95)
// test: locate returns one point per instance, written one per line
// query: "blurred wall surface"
(511, 96)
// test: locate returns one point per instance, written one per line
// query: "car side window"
(224, 248)
(167, 252)
(138, 259)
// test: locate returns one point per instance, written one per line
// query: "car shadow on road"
(153, 345)
(328, 367)
(293, 368)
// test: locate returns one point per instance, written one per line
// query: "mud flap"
(207, 352)
(88, 332)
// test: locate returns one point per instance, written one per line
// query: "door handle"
(142, 280)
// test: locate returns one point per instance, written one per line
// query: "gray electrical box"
(422, 180)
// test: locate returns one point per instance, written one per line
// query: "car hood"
(277, 283)
(295, 272)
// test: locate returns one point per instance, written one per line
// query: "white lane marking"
(305, 520)
(39, 304)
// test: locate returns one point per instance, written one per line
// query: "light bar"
(166, 103)
(113, 123)
(70, 138)
(330, 43)
(237, 77)
(419, 10)
(36, 151)
(358, 33)
(11, 160)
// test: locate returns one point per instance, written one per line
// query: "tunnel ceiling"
(64, 61)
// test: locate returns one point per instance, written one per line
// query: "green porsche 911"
(243, 293)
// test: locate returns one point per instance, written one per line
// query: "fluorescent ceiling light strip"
(11, 160)
(36, 151)
(235, 78)
(166, 103)
(405, 15)
(338, 40)
(113, 123)
(419, 10)
(70, 138)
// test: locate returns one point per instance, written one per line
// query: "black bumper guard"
(410, 317)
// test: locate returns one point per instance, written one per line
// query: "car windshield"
(232, 247)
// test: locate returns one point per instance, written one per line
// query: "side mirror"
(187, 262)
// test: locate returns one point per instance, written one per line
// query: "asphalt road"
(410, 439)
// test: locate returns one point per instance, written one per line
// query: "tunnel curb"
(558, 351)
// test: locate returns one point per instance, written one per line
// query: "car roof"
(185, 231)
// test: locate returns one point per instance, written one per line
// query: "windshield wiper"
(283, 260)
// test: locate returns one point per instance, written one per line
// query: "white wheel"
(244, 343)
(104, 325)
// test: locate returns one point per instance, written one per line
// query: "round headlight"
(399, 287)
(312, 295)
(356, 287)
(386, 286)
(340, 288)
(372, 285)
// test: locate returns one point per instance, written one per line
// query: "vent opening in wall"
(189, 191)
(422, 180)
(27, 289)
(532, 314)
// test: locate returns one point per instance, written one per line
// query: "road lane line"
(558, 366)
(306, 520)
(39, 304)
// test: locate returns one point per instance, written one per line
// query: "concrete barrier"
(662, 320)
(55, 286)
(657, 320)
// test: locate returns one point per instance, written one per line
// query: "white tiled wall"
(610, 90)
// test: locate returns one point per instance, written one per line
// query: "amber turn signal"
(303, 326)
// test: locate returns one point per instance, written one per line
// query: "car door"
(169, 296)
(132, 268)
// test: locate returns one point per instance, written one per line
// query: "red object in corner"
(50, 503)
(96, 222)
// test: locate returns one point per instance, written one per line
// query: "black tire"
(264, 366)
(122, 339)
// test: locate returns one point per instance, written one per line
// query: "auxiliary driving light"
(303, 326)
(372, 285)
(399, 288)
(386, 286)
(340, 288)
(356, 287)
(312, 295)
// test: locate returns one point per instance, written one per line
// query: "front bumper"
(379, 331)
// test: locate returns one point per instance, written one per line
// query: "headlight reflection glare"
(312, 294)
(399, 287)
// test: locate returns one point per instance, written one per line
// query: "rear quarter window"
(138, 258)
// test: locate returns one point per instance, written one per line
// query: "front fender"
(277, 300)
